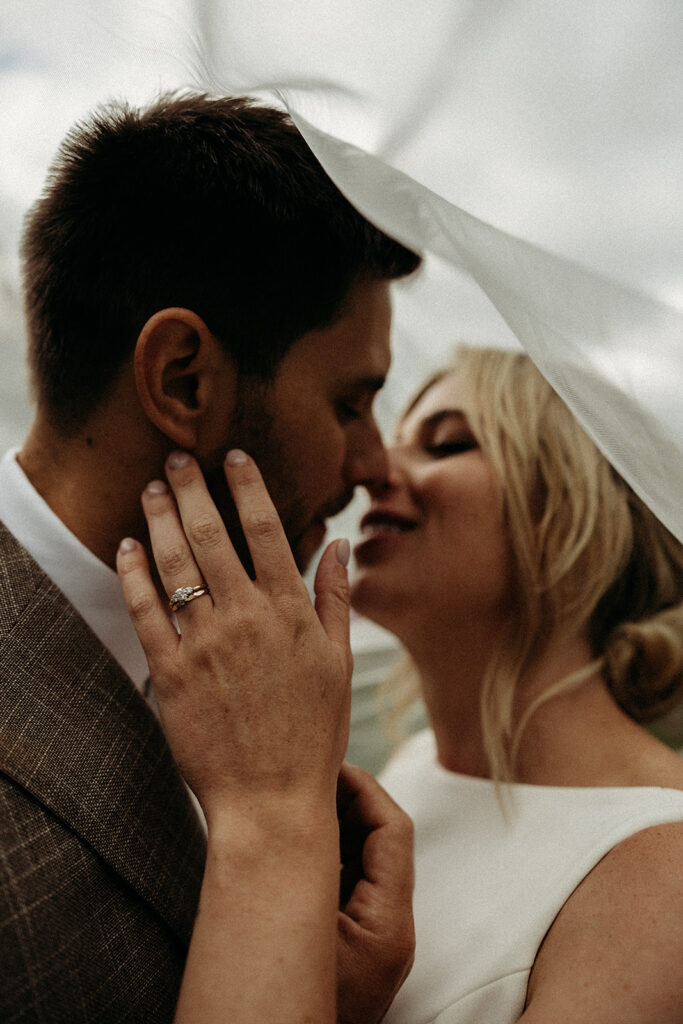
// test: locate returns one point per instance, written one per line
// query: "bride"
(539, 603)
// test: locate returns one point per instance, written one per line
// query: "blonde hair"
(587, 554)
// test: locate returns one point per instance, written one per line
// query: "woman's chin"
(361, 599)
(372, 602)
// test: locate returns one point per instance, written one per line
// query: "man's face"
(311, 430)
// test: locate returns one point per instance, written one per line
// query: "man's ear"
(180, 367)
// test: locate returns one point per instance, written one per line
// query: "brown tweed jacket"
(101, 854)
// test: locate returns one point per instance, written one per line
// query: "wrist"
(277, 868)
(272, 828)
(272, 880)
(273, 810)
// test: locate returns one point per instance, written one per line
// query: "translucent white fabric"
(378, 90)
(615, 356)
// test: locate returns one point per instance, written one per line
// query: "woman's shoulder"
(655, 764)
(614, 951)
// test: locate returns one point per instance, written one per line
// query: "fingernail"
(236, 457)
(343, 552)
(156, 487)
(177, 459)
(127, 544)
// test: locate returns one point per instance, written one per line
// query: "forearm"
(254, 697)
(268, 908)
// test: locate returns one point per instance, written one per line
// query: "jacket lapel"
(77, 735)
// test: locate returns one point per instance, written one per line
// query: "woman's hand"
(254, 693)
(254, 698)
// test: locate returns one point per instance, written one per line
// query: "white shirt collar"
(90, 585)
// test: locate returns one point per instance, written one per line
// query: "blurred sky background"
(558, 122)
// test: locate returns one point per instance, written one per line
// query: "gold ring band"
(183, 595)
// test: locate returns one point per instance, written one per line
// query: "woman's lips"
(386, 520)
(381, 532)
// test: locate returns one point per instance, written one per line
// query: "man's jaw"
(333, 508)
(309, 540)
(303, 542)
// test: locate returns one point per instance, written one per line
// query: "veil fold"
(405, 105)
(614, 355)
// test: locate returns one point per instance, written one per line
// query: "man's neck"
(91, 480)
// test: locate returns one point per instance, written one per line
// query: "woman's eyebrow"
(439, 416)
(429, 422)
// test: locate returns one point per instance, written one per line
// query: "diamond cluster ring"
(183, 595)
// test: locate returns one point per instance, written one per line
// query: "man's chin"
(304, 547)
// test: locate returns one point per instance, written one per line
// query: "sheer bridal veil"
(530, 150)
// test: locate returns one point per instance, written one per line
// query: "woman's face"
(434, 549)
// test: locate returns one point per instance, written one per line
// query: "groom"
(193, 281)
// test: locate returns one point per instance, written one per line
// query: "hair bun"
(644, 664)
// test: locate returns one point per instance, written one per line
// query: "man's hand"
(376, 935)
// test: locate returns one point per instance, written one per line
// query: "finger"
(365, 803)
(370, 815)
(204, 534)
(173, 556)
(271, 554)
(150, 619)
(332, 594)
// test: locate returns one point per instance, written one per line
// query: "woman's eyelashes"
(442, 449)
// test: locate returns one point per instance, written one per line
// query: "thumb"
(332, 593)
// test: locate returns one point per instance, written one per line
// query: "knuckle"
(185, 475)
(339, 587)
(172, 560)
(403, 825)
(158, 507)
(263, 525)
(165, 680)
(205, 532)
(244, 628)
(247, 474)
(141, 604)
(127, 567)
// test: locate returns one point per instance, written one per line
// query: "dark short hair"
(216, 205)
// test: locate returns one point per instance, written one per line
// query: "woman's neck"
(583, 738)
(577, 738)
(451, 663)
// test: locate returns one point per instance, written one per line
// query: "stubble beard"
(252, 429)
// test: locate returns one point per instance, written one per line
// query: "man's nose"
(367, 462)
(392, 477)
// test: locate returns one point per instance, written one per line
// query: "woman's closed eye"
(442, 449)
